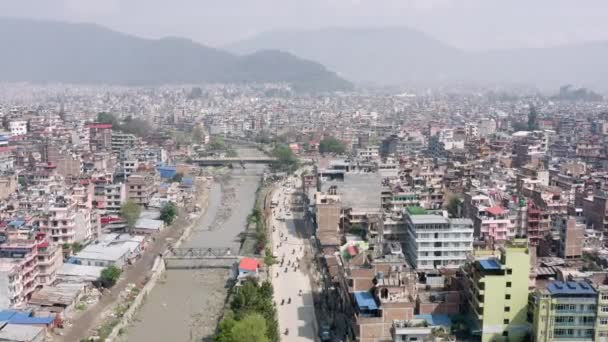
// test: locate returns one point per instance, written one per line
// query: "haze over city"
(467, 24)
(303, 171)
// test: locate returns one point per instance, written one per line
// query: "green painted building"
(497, 292)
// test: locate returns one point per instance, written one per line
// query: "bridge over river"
(186, 304)
(233, 160)
(193, 258)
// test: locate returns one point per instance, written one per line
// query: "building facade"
(435, 241)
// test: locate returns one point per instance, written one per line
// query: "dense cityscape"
(319, 171)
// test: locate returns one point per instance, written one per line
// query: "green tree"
(453, 206)
(130, 212)
(269, 259)
(178, 177)
(224, 331)
(138, 127)
(217, 143)
(331, 145)
(77, 247)
(251, 328)
(168, 213)
(107, 118)
(286, 160)
(532, 118)
(197, 134)
(109, 276)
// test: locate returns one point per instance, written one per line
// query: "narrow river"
(185, 305)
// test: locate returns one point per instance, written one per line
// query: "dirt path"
(138, 273)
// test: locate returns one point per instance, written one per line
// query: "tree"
(109, 276)
(286, 160)
(269, 259)
(168, 213)
(224, 331)
(178, 177)
(138, 127)
(532, 119)
(331, 145)
(6, 122)
(217, 143)
(251, 328)
(77, 247)
(107, 118)
(197, 134)
(130, 212)
(453, 206)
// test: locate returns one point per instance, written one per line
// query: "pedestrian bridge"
(233, 160)
(193, 258)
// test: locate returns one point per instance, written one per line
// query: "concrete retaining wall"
(158, 269)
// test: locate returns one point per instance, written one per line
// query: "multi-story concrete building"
(8, 185)
(100, 137)
(63, 222)
(328, 210)
(50, 259)
(18, 127)
(436, 241)
(140, 188)
(122, 142)
(566, 311)
(18, 271)
(571, 236)
(6, 158)
(497, 284)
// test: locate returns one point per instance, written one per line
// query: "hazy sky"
(471, 24)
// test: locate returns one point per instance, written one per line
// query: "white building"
(435, 241)
(18, 127)
(115, 196)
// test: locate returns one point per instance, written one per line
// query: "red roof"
(249, 264)
(495, 210)
(352, 251)
(99, 125)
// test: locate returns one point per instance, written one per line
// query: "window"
(505, 333)
(604, 308)
(508, 284)
(508, 296)
(509, 271)
(605, 296)
(506, 321)
(507, 308)
(603, 321)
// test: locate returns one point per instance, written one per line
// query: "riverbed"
(186, 304)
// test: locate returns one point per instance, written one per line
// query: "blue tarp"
(19, 317)
(187, 181)
(16, 223)
(166, 172)
(436, 320)
(365, 301)
(490, 264)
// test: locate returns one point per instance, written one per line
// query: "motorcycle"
(286, 332)
(289, 300)
(282, 301)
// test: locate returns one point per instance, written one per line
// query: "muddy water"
(185, 306)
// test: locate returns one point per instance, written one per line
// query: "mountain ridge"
(400, 55)
(52, 51)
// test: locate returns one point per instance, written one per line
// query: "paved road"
(299, 315)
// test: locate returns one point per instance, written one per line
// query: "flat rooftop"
(490, 264)
(428, 219)
(568, 288)
(358, 190)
